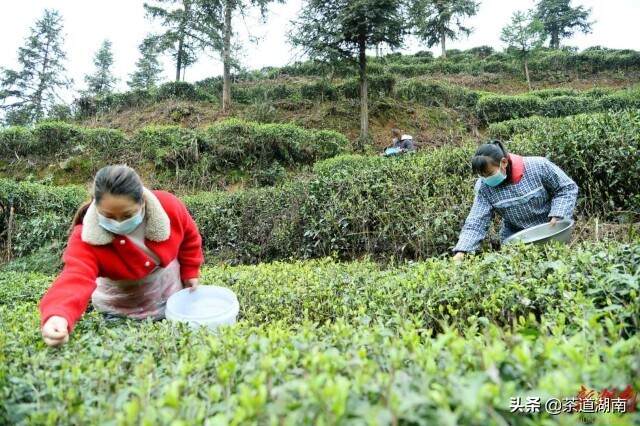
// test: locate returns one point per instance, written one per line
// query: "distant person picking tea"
(401, 143)
(129, 249)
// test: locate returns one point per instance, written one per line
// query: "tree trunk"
(179, 60)
(226, 57)
(526, 72)
(182, 30)
(555, 39)
(42, 83)
(364, 103)
(443, 44)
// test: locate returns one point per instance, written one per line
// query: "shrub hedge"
(600, 151)
(495, 108)
(88, 106)
(435, 93)
(353, 205)
(56, 140)
(506, 129)
(504, 107)
(543, 64)
(239, 144)
(177, 152)
(322, 342)
(33, 216)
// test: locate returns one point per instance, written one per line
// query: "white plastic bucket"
(210, 306)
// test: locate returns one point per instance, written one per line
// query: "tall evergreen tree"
(524, 34)
(345, 29)
(102, 80)
(30, 91)
(148, 69)
(179, 38)
(436, 20)
(560, 20)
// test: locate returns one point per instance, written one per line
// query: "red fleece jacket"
(121, 259)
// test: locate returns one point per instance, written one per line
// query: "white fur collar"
(157, 227)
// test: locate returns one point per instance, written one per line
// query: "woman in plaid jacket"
(524, 191)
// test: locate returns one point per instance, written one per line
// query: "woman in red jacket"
(129, 250)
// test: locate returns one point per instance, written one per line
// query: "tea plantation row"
(321, 342)
(544, 64)
(183, 157)
(410, 207)
(500, 287)
(486, 106)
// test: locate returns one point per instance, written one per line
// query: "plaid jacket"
(544, 191)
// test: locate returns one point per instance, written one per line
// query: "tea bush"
(193, 158)
(506, 129)
(322, 342)
(240, 143)
(55, 140)
(35, 215)
(538, 281)
(505, 107)
(321, 90)
(600, 151)
(434, 93)
(561, 106)
(180, 90)
(378, 86)
(88, 106)
(553, 103)
(353, 205)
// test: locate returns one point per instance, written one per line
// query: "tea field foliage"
(408, 78)
(555, 103)
(325, 342)
(544, 64)
(327, 334)
(487, 107)
(410, 207)
(173, 156)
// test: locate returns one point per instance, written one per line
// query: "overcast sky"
(88, 22)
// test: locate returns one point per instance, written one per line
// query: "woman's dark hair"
(114, 180)
(396, 131)
(489, 153)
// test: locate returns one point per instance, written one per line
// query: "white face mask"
(127, 226)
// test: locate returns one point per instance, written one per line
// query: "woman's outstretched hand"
(191, 283)
(55, 331)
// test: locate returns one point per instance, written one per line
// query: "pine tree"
(101, 82)
(29, 92)
(148, 69)
(560, 20)
(344, 29)
(437, 20)
(179, 38)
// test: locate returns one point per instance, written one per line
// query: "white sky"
(88, 22)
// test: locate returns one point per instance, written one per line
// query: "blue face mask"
(121, 228)
(495, 179)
